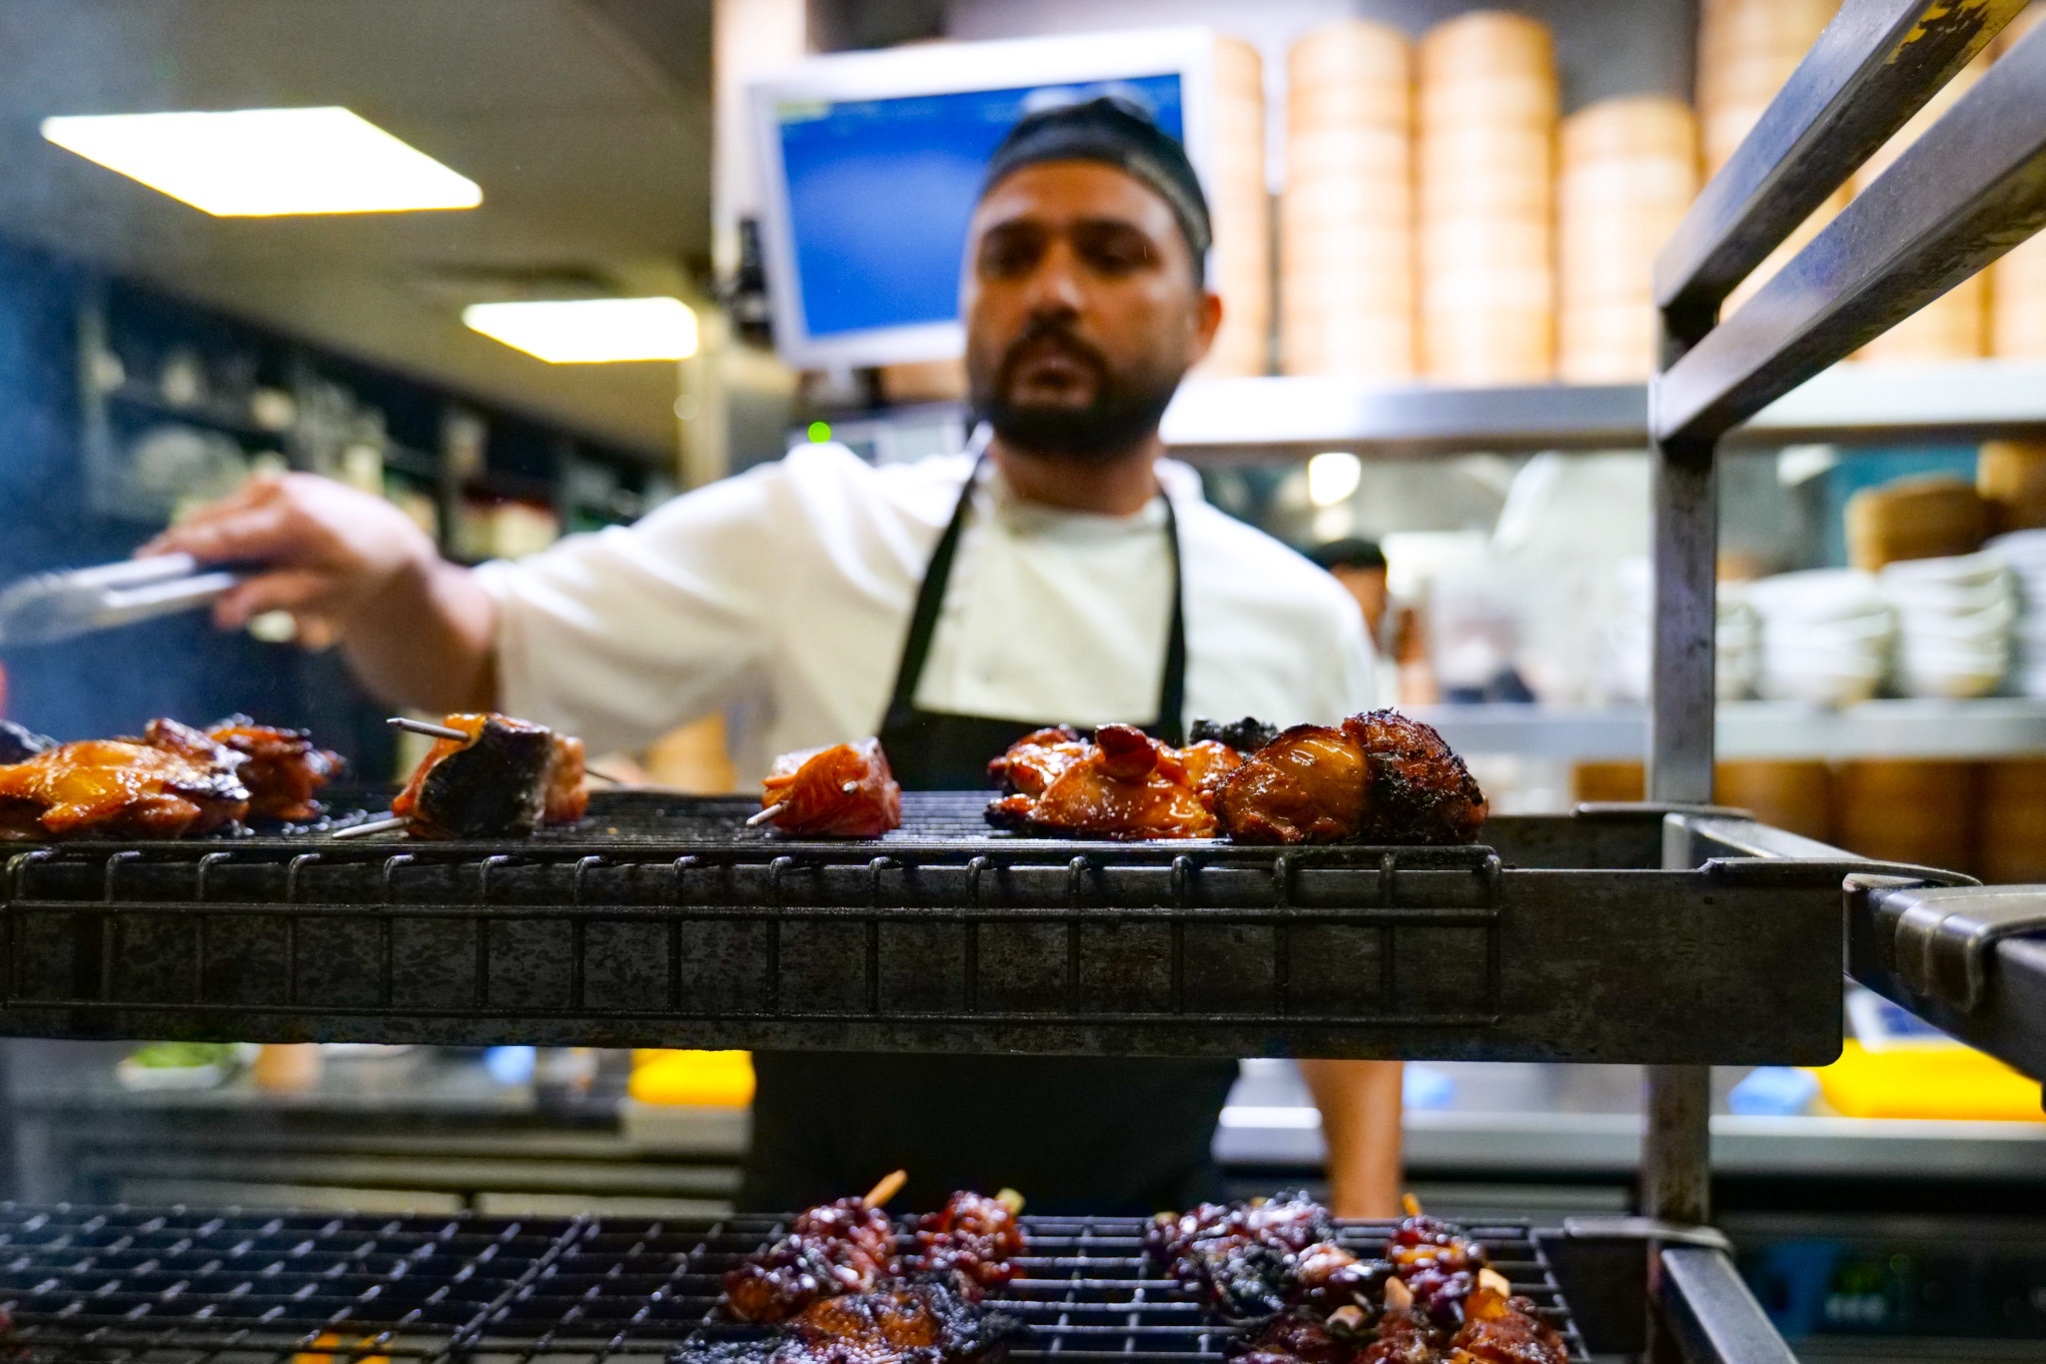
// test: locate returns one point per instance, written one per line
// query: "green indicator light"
(820, 432)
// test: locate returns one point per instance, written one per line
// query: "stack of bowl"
(1629, 173)
(1825, 636)
(1488, 100)
(1241, 208)
(1737, 648)
(1346, 258)
(1954, 620)
(2025, 552)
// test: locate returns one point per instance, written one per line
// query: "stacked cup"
(1346, 280)
(1488, 101)
(1746, 50)
(2017, 306)
(1954, 618)
(2025, 552)
(1826, 635)
(1629, 173)
(1954, 325)
(1241, 208)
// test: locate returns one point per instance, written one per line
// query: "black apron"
(1106, 1135)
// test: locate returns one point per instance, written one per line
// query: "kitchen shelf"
(1291, 416)
(1995, 727)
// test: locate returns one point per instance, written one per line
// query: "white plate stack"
(2017, 294)
(1346, 232)
(1826, 636)
(1737, 653)
(2025, 552)
(1488, 98)
(1746, 50)
(1954, 619)
(1629, 173)
(1953, 326)
(1242, 213)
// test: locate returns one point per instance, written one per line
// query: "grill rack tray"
(662, 920)
(231, 1287)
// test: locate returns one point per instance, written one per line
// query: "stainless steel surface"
(1969, 189)
(1713, 1316)
(1873, 67)
(1993, 727)
(55, 606)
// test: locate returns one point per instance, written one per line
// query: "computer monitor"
(872, 161)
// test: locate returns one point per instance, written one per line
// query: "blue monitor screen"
(880, 192)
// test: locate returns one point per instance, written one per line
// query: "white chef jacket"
(788, 589)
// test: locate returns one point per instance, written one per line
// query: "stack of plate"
(1346, 272)
(1954, 325)
(2017, 294)
(1954, 620)
(1825, 636)
(1737, 649)
(2025, 552)
(1746, 50)
(1242, 214)
(1629, 173)
(1488, 101)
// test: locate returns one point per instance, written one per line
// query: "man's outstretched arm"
(415, 629)
(1360, 1120)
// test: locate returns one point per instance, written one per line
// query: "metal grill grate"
(177, 1286)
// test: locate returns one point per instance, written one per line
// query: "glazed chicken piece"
(508, 777)
(845, 791)
(1123, 784)
(830, 1250)
(1379, 777)
(1260, 1257)
(283, 769)
(974, 1237)
(925, 1322)
(1501, 1329)
(1405, 1335)
(172, 782)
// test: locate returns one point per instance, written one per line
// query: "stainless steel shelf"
(1996, 727)
(1287, 417)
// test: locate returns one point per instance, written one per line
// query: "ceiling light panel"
(260, 163)
(585, 331)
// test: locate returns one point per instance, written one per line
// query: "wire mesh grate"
(187, 1286)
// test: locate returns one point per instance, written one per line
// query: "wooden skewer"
(1491, 1278)
(1398, 1297)
(422, 727)
(890, 1185)
(605, 776)
(374, 826)
(1411, 1204)
(756, 821)
(1011, 1200)
(849, 787)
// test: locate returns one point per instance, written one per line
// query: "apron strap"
(1170, 723)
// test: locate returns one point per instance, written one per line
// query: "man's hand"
(327, 551)
(415, 629)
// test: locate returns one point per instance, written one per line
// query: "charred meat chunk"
(1122, 784)
(974, 1237)
(283, 769)
(1437, 1263)
(1260, 1257)
(845, 791)
(830, 1250)
(921, 1322)
(507, 778)
(1498, 1329)
(1246, 736)
(1379, 777)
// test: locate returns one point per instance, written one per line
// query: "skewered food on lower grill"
(972, 1235)
(831, 1249)
(1499, 1328)
(18, 744)
(1379, 777)
(1260, 1257)
(928, 1321)
(507, 777)
(845, 791)
(172, 782)
(1121, 784)
(1437, 1262)
(283, 769)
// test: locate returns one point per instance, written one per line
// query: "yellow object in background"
(1927, 1082)
(705, 1079)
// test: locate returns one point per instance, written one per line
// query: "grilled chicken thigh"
(1379, 777)
(1122, 784)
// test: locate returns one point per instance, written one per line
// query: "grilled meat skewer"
(172, 782)
(283, 769)
(1122, 784)
(1379, 777)
(924, 1322)
(507, 778)
(844, 791)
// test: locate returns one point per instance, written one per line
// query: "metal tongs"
(53, 606)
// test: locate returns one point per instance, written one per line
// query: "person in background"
(1359, 565)
(1063, 572)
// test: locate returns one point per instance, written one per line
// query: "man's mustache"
(1055, 331)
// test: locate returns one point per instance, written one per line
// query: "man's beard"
(1123, 412)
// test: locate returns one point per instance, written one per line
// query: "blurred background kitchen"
(529, 268)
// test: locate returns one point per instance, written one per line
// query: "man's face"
(1082, 310)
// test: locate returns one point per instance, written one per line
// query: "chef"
(1061, 572)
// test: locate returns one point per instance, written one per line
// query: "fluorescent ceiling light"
(1332, 477)
(259, 163)
(583, 331)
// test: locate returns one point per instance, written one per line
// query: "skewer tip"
(890, 1185)
(849, 787)
(755, 821)
(1411, 1204)
(1491, 1278)
(375, 826)
(1011, 1200)
(424, 727)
